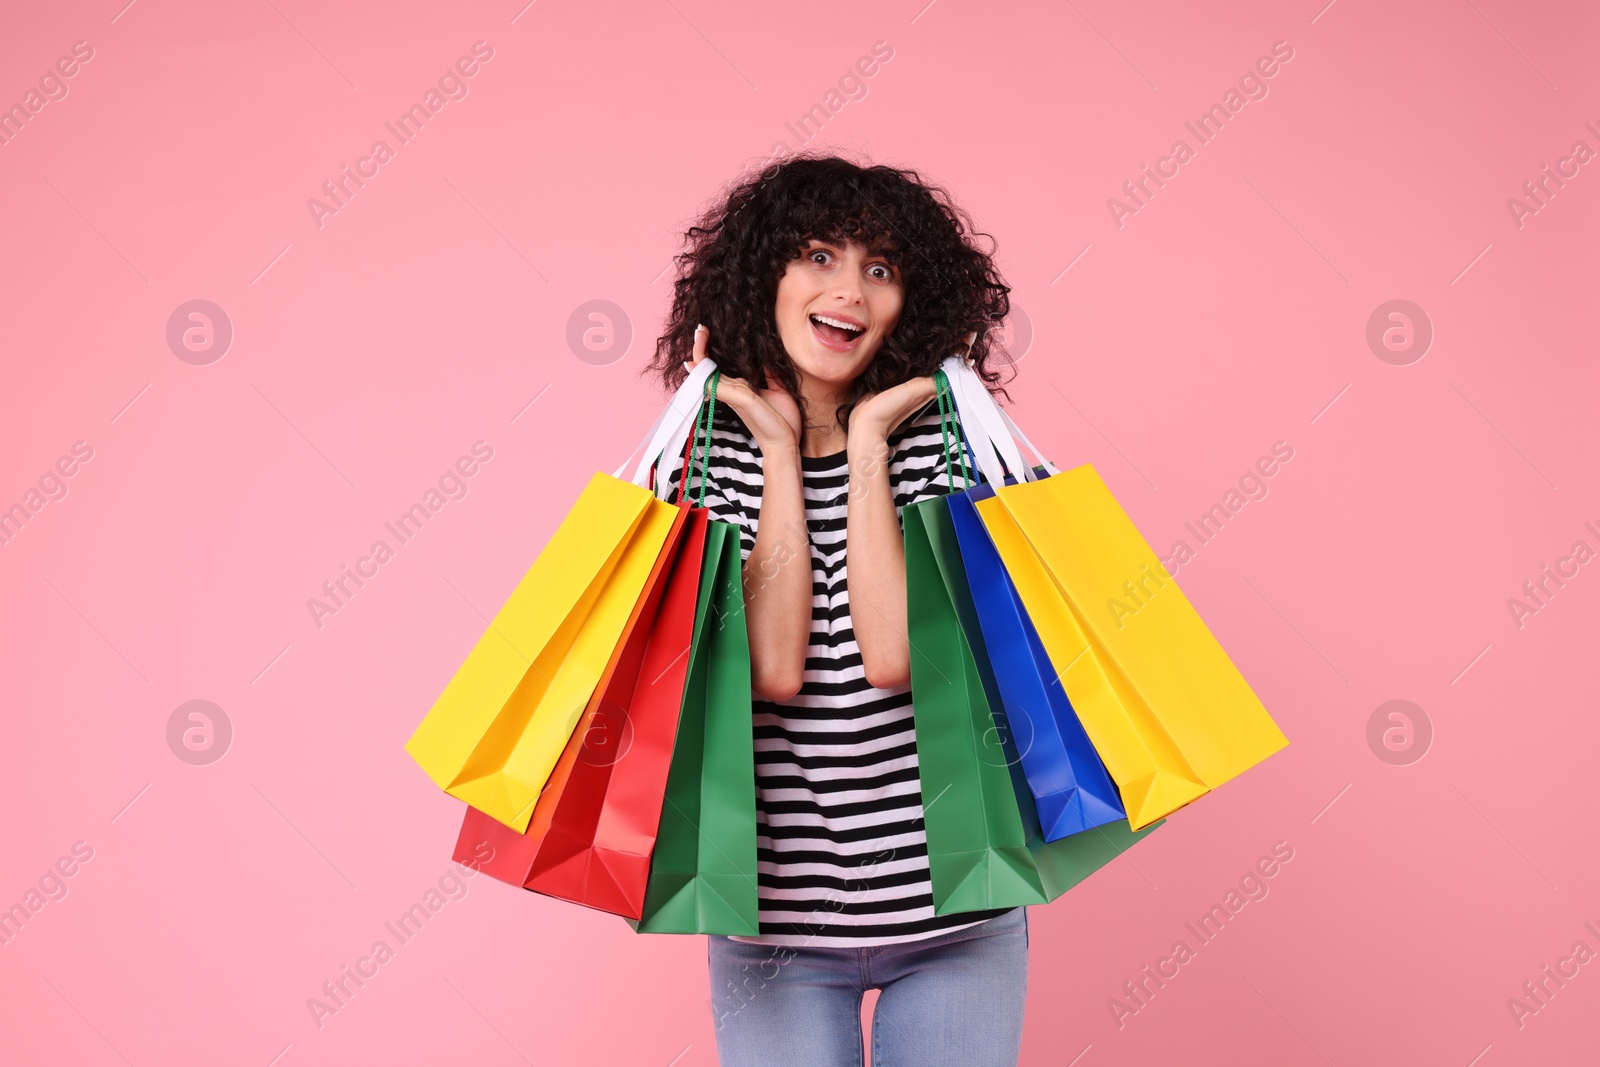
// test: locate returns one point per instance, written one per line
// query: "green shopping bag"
(703, 868)
(985, 845)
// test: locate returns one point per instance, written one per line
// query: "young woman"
(828, 293)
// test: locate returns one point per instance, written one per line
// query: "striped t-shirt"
(841, 850)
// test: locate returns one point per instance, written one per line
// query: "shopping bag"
(1169, 714)
(603, 830)
(1065, 777)
(985, 846)
(703, 869)
(494, 735)
(1066, 861)
(592, 829)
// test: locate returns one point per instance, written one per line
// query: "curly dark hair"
(740, 247)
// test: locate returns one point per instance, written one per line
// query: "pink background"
(1228, 313)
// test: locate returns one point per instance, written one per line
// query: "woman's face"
(846, 284)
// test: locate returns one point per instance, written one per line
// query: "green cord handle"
(688, 454)
(705, 419)
(705, 460)
(702, 418)
(939, 386)
(947, 422)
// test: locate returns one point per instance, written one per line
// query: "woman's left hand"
(878, 414)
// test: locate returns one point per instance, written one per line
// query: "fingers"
(737, 393)
(702, 338)
(894, 405)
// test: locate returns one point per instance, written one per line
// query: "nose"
(847, 286)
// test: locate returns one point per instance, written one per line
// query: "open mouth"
(837, 334)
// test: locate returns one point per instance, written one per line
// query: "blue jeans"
(953, 999)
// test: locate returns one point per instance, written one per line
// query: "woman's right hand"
(771, 413)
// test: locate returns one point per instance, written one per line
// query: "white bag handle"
(983, 453)
(982, 424)
(991, 430)
(981, 417)
(672, 425)
(1016, 432)
(676, 443)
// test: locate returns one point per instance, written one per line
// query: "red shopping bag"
(577, 791)
(593, 828)
(603, 826)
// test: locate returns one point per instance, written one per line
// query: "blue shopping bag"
(1070, 785)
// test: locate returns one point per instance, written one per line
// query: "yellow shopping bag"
(1166, 709)
(495, 733)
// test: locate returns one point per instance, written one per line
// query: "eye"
(888, 271)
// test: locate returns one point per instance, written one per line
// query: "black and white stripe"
(842, 856)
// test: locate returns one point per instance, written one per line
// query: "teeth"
(836, 322)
